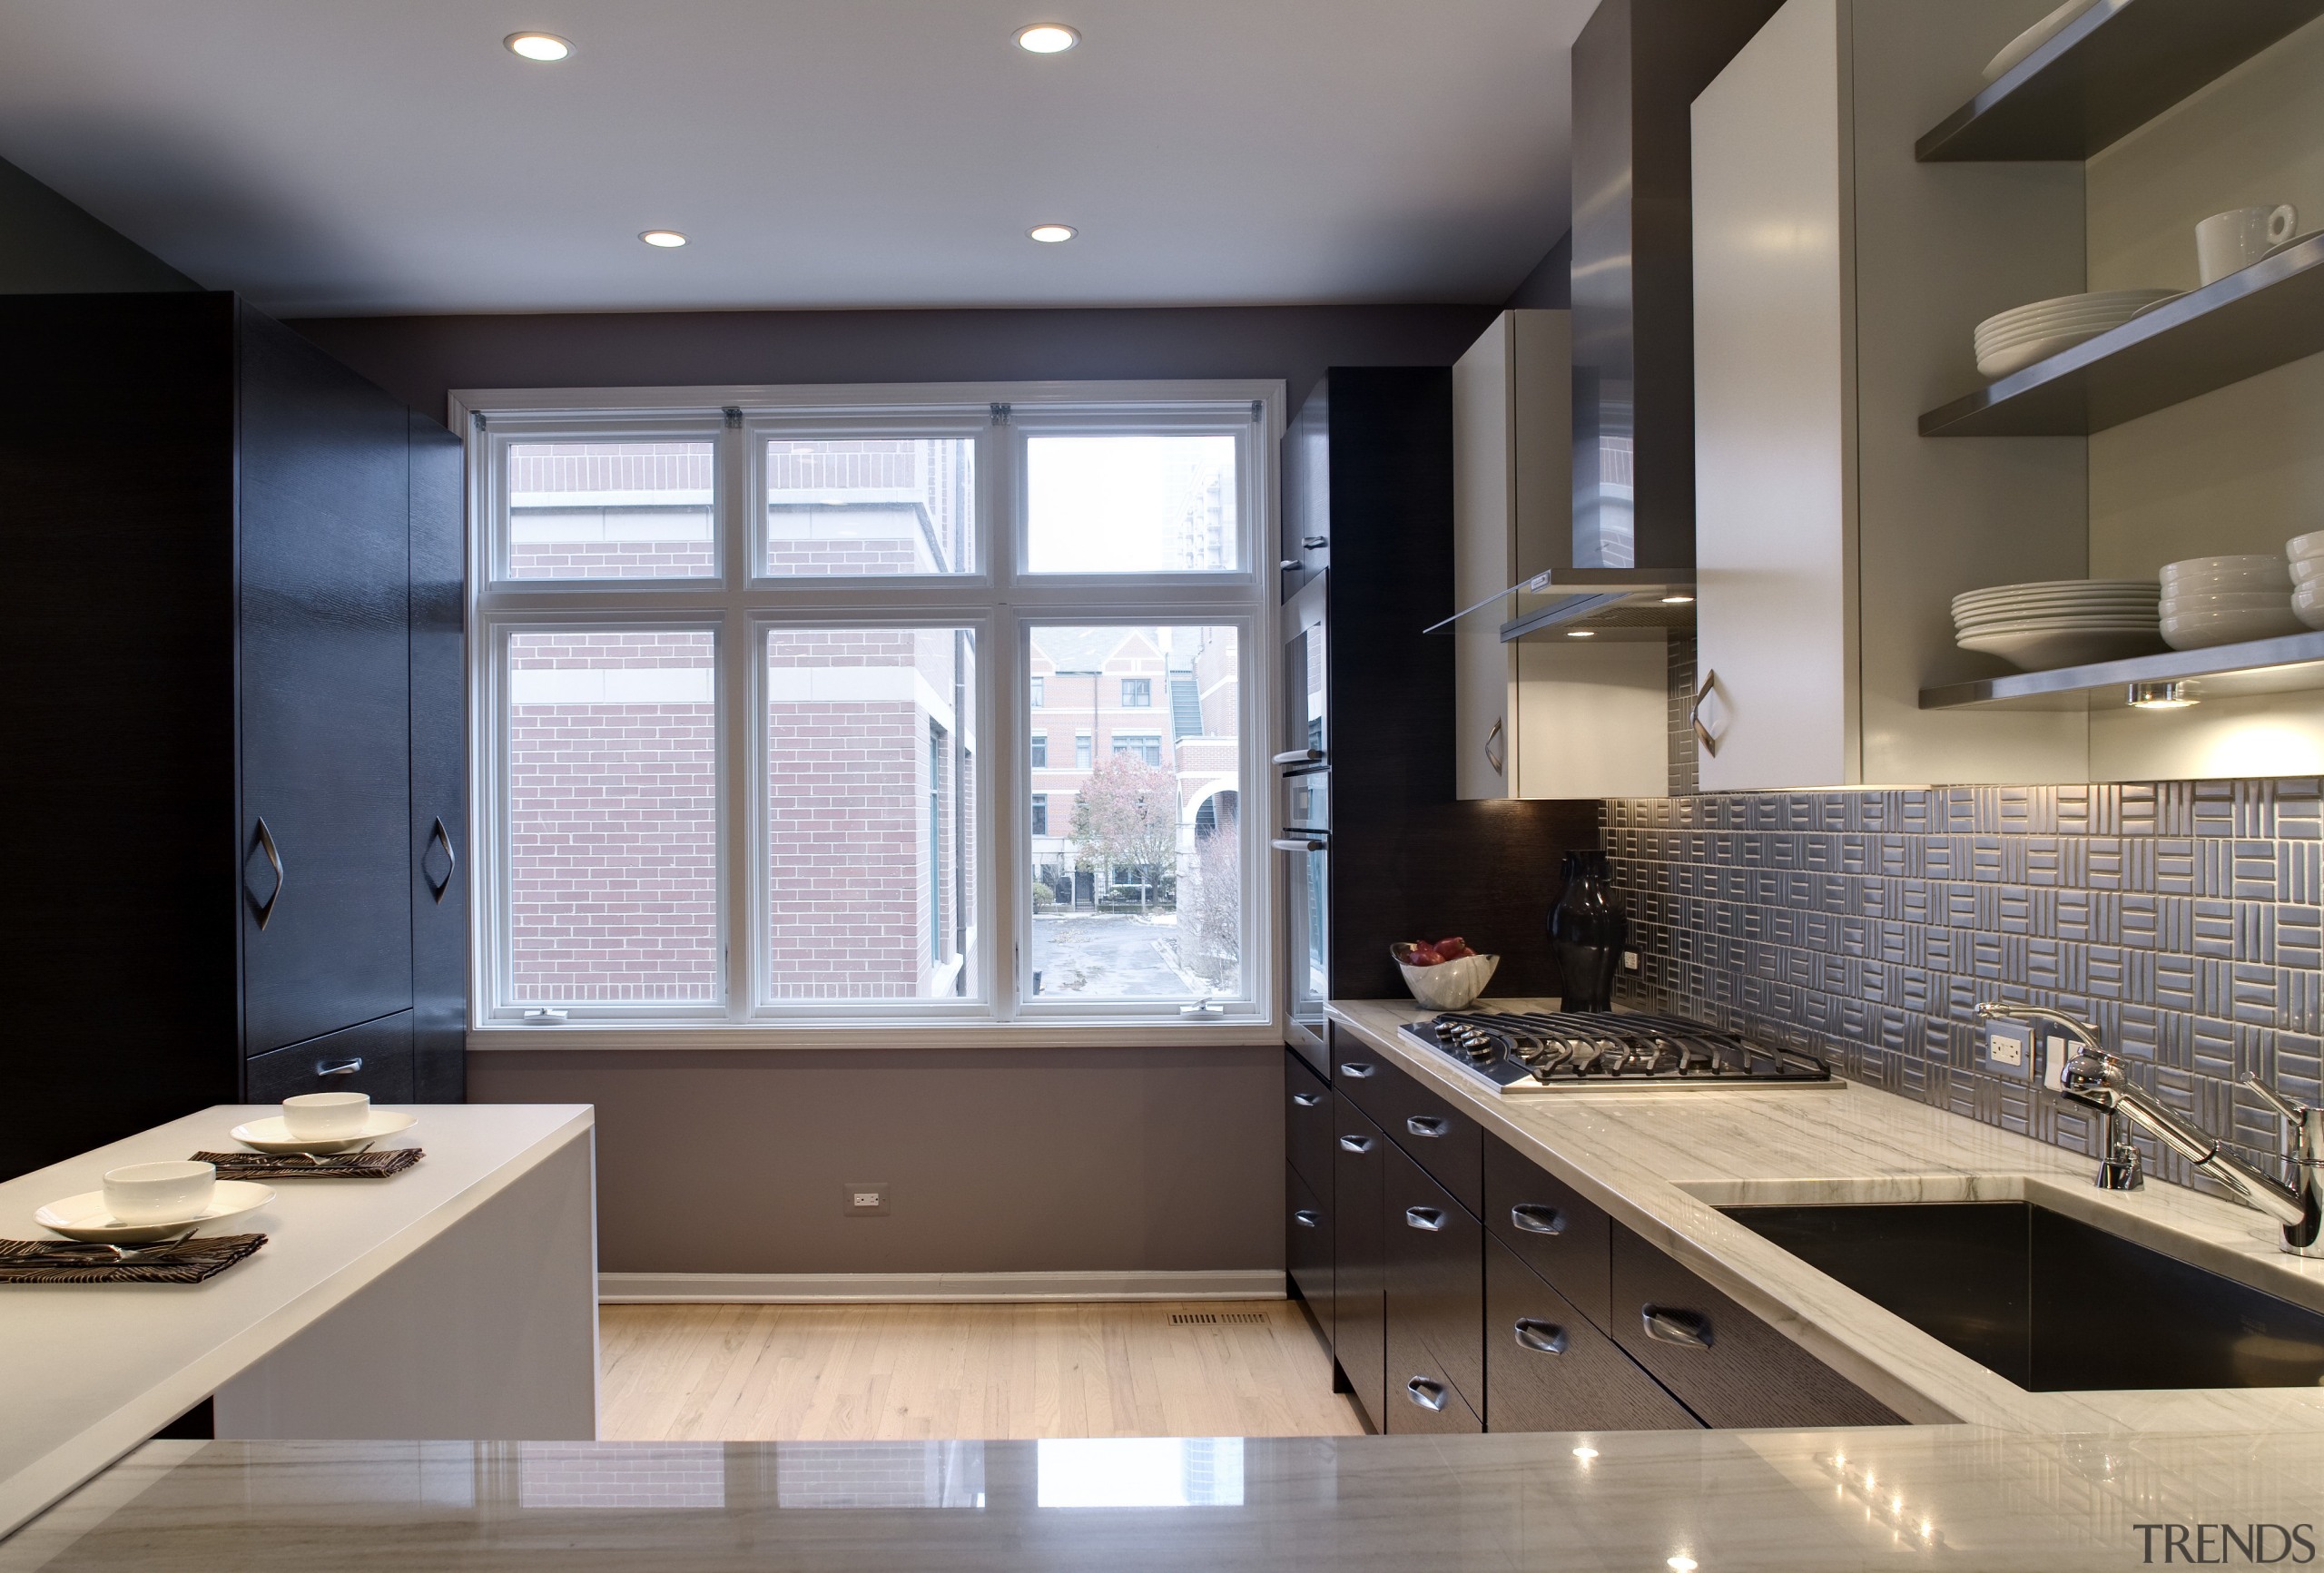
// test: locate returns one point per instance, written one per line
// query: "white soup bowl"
(159, 1192)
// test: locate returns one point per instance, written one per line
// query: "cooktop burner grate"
(1549, 1051)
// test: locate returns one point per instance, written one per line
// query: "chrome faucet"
(2096, 1078)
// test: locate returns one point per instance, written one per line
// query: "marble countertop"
(1663, 1163)
(1721, 1501)
(90, 1371)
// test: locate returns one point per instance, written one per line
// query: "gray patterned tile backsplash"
(2181, 918)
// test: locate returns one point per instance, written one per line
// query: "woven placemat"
(292, 1167)
(72, 1262)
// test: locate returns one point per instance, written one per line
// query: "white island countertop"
(90, 1371)
(1663, 1163)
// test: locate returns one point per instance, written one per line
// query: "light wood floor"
(865, 1372)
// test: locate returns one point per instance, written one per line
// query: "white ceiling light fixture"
(665, 239)
(540, 46)
(1046, 38)
(1052, 234)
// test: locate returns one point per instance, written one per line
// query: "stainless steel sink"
(2053, 1304)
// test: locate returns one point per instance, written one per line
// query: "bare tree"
(1126, 817)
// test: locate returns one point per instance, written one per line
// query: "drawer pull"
(1534, 1218)
(1667, 1324)
(1431, 1396)
(1428, 1124)
(1358, 1069)
(338, 1067)
(1541, 1337)
(1306, 1100)
(1355, 1144)
(1308, 1218)
(1431, 1219)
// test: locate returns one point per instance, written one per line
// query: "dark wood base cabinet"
(1435, 1284)
(1359, 1264)
(1547, 1368)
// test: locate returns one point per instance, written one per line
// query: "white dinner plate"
(271, 1135)
(2037, 650)
(86, 1216)
(2124, 301)
(2033, 38)
(2018, 357)
(2060, 322)
(2038, 606)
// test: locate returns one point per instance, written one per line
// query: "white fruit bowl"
(1448, 985)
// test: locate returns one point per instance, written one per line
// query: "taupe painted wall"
(998, 1160)
(48, 246)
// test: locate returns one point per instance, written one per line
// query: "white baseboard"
(930, 1288)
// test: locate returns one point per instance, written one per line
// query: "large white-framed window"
(852, 709)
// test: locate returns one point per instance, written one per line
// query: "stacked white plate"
(2307, 555)
(2013, 340)
(2210, 600)
(2059, 621)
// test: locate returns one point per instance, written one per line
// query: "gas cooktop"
(1574, 1051)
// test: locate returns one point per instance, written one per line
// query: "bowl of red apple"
(1444, 974)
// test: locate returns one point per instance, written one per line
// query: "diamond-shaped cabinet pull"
(436, 862)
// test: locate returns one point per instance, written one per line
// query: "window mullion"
(738, 733)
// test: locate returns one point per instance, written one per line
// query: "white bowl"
(2304, 570)
(1450, 985)
(2263, 569)
(2033, 38)
(86, 1216)
(2308, 604)
(327, 1116)
(2201, 630)
(169, 1192)
(271, 1135)
(2307, 545)
(2040, 649)
(2181, 602)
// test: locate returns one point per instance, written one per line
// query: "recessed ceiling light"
(663, 238)
(1046, 38)
(1585, 1454)
(1052, 234)
(537, 45)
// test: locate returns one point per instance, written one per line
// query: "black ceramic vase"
(1589, 931)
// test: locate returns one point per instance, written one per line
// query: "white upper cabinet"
(1836, 281)
(1548, 717)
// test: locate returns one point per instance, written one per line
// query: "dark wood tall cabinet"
(234, 708)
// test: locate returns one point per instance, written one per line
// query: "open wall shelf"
(2108, 71)
(2266, 316)
(2261, 667)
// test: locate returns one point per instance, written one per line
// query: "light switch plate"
(864, 1198)
(2009, 1048)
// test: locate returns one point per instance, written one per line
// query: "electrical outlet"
(1629, 960)
(864, 1198)
(2009, 1047)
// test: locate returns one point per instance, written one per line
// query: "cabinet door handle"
(1428, 1124)
(1355, 1144)
(1695, 713)
(438, 836)
(1536, 1219)
(1299, 845)
(1431, 1219)
(1287, 564)
(1541, 1337)
(1314, 542)
(1358, 1069)
(1668, 1324)
(1306, 1100)
(1431, 1396)
(1308, 1218)
(338, 1067)
(1496, 757)
(265, 840)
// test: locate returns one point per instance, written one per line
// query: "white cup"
(2232, 240)
(319, 1117)
(159, 1192)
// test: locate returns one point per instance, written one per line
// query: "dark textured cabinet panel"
(1307, 1246)
(117, 919)
(1547, 1369)
(1723, 1362)
(439, 838)
(1447, 1143)
(1422, 1398)
(1359, 1265)
(1436, 1278)
(379, 1051)
(1551, 1227)
(1307, 1122)
(325, 687)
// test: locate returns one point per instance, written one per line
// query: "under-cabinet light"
(663, 238)
(2177, 696)
(1046, 38)
(1052, 234)
(1678, 600)
(1582, 632)
(541, 47)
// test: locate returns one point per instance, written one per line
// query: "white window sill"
(891, 1033)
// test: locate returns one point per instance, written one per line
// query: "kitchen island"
(457, 1299)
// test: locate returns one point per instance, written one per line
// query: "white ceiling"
(390, 156)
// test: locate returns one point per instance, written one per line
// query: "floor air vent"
(1204, 1318)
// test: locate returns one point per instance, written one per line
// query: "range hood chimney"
(1638, 65)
